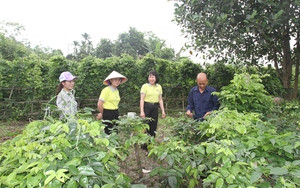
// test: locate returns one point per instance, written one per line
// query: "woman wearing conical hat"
(109, 99)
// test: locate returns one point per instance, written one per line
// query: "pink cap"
(66, 76)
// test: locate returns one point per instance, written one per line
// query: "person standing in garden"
(65, 93)
(201, 101)
(109, 99)
(150, 100)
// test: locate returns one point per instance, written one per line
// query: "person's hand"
(207, 113)
(142, 114)
(189, 113)
(99, 116)
(163, 115)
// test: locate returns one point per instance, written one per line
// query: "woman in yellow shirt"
(150, 100)
(109, 99)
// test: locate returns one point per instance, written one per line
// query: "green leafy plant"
(239, 149)
(245, 93)
(73, 154)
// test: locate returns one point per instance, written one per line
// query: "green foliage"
(131, 43)
(247, 31)
(104, 49)
(245, 94)
(232, 150)
(71, 153)
(57, 154)
(219, 74)
(10, 49)
(285, 116)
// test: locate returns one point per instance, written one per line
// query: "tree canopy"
(253, 31)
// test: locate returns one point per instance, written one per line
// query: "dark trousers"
(110, 115)
(151, 111)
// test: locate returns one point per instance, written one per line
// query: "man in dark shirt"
(200, 99)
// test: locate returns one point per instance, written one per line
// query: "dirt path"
(9, 130)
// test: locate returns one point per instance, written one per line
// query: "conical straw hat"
(114, 74)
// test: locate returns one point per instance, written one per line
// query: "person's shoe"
(147, 153)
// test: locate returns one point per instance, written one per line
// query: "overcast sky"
(57, 23)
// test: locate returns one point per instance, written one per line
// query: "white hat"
(114, 74)
(66, 76)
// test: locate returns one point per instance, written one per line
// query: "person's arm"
(142, 100)
(216, 102)
(190, 106)
(161, 104)
(216, 105)
(61, 103)
(100, 108)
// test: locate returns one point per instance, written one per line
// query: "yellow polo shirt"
(151, 92)
(110, 98)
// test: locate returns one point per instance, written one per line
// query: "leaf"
(209, 149)
(33, 181)
(49, 178)
(273, 141)
(73, 127)
(86, 171)
(84, 181)
(230, 179)
(278, 14)
(163, 155)
(241, 129)
(255, 176)
(296, 144)
(120, 179)
(192, 183)
(72, 184)
(278, 171)
(107, 186)
(74, 162)
(296, 173)
(65, 128)
(211, 178)
(170, 160)
(188, 168)
(172, 181)
(296, 163)
(219, 183)
(11, 176)
(254, 13)
(288, 149)
(105, 141)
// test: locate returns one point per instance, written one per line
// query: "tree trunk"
(287, 68)
(297, 62)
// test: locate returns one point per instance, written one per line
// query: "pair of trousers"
(151, 111)
(110, 115)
